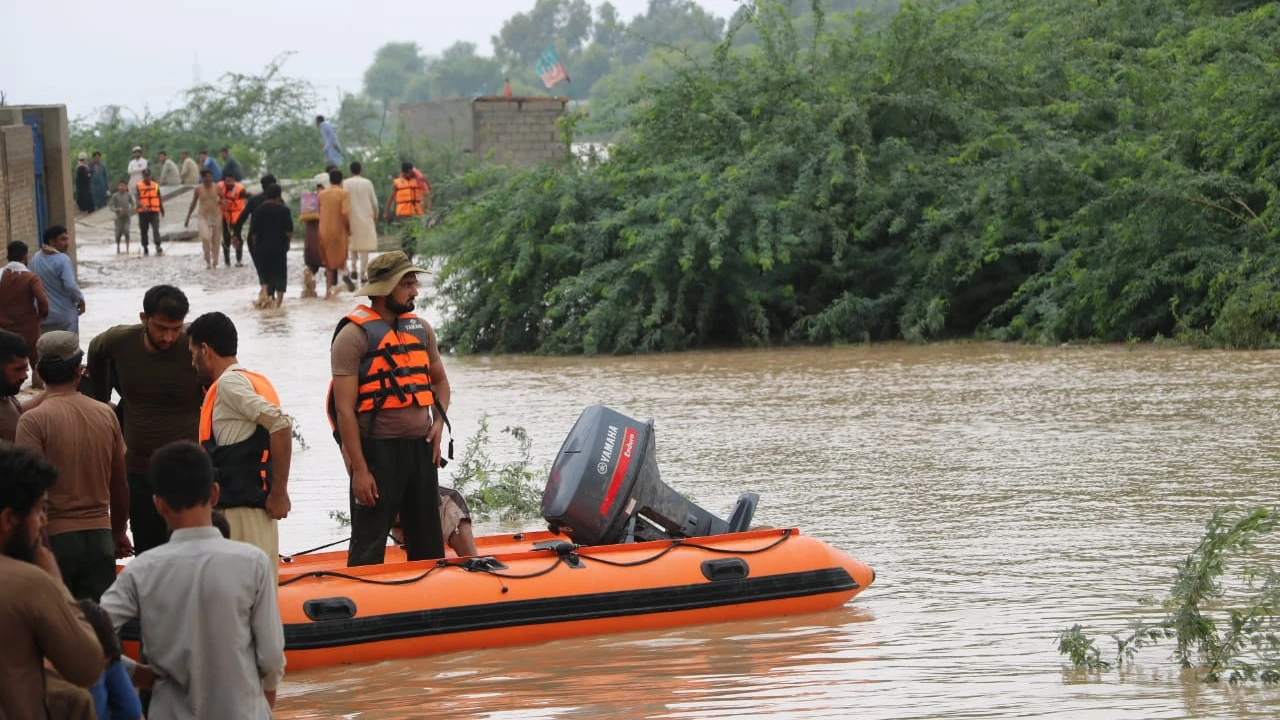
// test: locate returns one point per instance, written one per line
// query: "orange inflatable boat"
(625, 552)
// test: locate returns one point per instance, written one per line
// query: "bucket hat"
(385, 272)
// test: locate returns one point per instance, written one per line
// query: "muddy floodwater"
(1001, 493)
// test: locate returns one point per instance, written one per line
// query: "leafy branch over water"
(1223, 630)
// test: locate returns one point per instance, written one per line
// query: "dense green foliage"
(1224, 625)
(1036, 170)
(602, 52)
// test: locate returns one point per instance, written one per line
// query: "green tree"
(394, 67)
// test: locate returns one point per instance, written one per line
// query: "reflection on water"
(1001, 493)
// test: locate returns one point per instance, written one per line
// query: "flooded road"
(1001, 493)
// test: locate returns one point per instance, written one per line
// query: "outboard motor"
(605, 478)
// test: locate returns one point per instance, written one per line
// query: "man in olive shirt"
(151, 365)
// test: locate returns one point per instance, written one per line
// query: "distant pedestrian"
(208, 163)
(23, 302)
(100, 186)
(309, 216)
(271, 233)
(411, 197)
(332, 148)
(208, 199)
(233, 198)
(190, 173)
(230, 165)
(136, 167)
(364, 221)
(53, 266)
(335, 233)
(122, 206)
(169, 174)
(84, 184)
(246, 216)
(150, 210)
(89, 503)
(149, 364)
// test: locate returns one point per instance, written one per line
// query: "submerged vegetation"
(1222, 612)
(1025, 170)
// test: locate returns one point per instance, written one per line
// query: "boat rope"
(684, 543)
(566, 553)
(326, 546)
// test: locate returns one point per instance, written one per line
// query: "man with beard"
(246, 435)
(39, 620)
(388, 379)
(150, 364)
(14, 370)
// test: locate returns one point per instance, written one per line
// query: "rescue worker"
(248, 437)
(387, 405)
(407, 196)
(150, 210)
(233, 200)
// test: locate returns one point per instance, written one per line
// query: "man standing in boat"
(248, 437)
(387, 404)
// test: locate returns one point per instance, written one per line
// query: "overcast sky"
(86, 54)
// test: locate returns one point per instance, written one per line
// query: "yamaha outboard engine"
(605, 478)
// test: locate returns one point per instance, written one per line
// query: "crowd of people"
(188, 471)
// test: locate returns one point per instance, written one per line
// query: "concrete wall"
(509, 131)
(17, 173)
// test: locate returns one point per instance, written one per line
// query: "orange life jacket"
(408, 197)
(148, 197)
(243, 468)
(395, 370)
(232, 202)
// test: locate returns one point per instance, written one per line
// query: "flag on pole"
(550, 69)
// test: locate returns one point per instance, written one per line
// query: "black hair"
(406, 167)
(335, 177)
(24, 477)
(206, 171)
(101, 624)
(12, 346)
(17, 251)
(267, 179)
(166, 301)
(52, 232)
(331, 167)
(96, 153)
(181, 474)
(274, 192)
(58, 371)
(162, 152)
(220, 522)
(202, 152)
(356, 168)
(226, 150)
(215, 330)
(319, 119)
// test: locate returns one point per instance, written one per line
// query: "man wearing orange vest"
(150, 210)
(233, 200)
(387, 405)
(248, 437)
(411, 197)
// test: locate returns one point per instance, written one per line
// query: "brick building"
(517, 131)
(36, 166)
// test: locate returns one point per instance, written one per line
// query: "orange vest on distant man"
(232, 202)
(148, 197)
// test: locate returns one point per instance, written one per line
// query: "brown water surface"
(1001, 493)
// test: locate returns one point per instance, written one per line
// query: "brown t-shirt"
(81, 437)
(40, 620)
(10, 410)
(161, 391)
(414, 421)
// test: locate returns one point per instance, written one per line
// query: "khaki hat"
(137, 148)
(59, 344)
(385, 272)
(82, 156)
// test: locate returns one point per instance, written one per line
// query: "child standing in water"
(121, 203)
